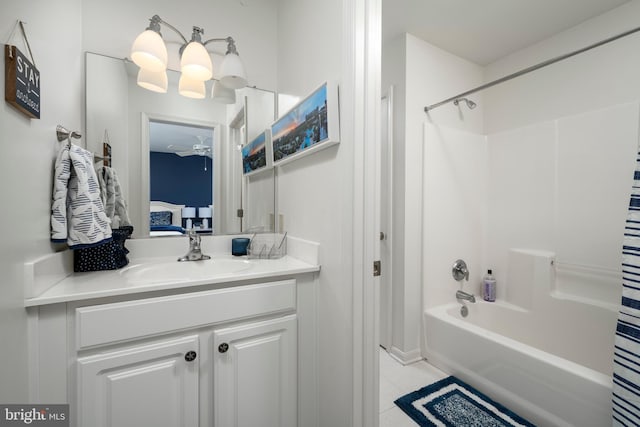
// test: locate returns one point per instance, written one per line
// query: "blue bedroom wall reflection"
(188, 183)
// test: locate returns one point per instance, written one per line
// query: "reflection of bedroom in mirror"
(181, 177)
(115, 102)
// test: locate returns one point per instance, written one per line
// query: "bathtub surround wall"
(548, 157)
(455, 194)
(584, 115)
(564, 186)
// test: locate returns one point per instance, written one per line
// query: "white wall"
(424, 74)
(315, 194)
(26, 164)
(593, 80)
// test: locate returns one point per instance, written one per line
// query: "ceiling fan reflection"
(199, 149)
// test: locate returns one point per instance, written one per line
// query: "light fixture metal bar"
(162, 21)
(223, 39)
(530, 69)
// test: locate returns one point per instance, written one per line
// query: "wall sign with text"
(21, 82)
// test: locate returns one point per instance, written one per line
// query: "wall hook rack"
(63, 134)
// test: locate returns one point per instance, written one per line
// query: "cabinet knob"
(222, 348)
(190, 356)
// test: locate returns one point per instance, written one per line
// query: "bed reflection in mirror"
(180, 178)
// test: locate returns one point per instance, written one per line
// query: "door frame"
(386, 220)
(362, 20)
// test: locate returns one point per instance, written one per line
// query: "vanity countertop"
(50, 279)
(160, 274)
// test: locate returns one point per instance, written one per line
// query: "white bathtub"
(545, 388)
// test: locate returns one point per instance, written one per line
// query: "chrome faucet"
(462, 295)
(460, 272)
(195, 252)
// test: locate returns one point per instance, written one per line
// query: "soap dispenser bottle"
(489, 287)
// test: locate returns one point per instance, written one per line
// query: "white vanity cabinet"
(138, 386)
(255, 374)
(225, 356)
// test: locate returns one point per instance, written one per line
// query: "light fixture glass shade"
(196, 62)
(149, 51)
(191, 88)
(232, 72)
(155, 81)
(222, 94)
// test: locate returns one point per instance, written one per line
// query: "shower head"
(469, 103)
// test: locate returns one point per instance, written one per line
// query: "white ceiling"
(162, 135)
(483, 31)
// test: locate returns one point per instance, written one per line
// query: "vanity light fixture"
(191, 88)
(155, 81)
(222, 94)
(149, 52)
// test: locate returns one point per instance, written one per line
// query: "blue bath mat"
(453, 403)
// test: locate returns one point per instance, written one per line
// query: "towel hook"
(63, 133)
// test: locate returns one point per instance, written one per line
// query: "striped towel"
(115, 205)
(77, 213)
(626, 370)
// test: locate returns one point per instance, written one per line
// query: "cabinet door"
(148, 385)
(255, 374)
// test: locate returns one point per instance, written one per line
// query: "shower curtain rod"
(530, 69)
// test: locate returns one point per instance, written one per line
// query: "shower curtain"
(626, 370)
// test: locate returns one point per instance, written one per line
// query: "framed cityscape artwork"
(255, 156)
(310, 126)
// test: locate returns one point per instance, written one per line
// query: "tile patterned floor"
(397, 380)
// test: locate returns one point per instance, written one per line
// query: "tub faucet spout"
(462, 295)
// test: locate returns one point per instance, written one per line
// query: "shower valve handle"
(459, 270)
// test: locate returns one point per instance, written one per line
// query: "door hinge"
(376, 268)
(240, 213)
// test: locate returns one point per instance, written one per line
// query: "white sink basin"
(174, 271)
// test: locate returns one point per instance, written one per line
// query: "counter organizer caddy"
(267, 246)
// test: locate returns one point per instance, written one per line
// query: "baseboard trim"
(406, 358)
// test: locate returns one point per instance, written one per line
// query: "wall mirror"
(172, 152)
